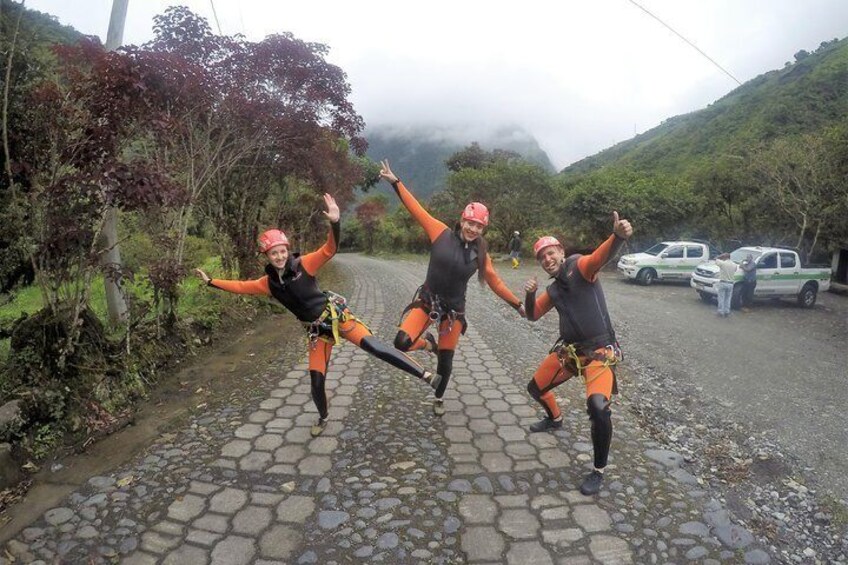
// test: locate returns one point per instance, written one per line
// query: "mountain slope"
(803, 97)
(418, 154)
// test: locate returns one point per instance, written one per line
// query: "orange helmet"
(545, 241)
(270, 239)
(476, 212)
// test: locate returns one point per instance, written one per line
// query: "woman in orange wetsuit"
(586, 346)
(290, 278)
(455, 255)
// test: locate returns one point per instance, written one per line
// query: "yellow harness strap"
(568, 354)
(336, 318)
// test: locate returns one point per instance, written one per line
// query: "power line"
(214, 13)
(241, 19)
(692, 45)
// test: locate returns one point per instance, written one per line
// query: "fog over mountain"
(417, 153)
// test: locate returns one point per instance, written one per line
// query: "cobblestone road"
(388, 481)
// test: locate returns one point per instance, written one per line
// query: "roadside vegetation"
(174, 154)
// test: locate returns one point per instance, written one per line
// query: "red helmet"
(545, 241)
(476, 212)
(270, 239)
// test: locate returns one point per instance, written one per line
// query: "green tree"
(519, 194)
(370, 213)
(655, 205)
(801, 176)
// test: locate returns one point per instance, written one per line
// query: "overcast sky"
(578, 75)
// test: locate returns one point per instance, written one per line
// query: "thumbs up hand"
(621, 228)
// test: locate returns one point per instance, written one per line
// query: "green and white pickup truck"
(669, 260)
(779, 274)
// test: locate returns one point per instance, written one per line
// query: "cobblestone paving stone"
(388, 481)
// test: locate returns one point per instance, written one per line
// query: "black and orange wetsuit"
(586, 340)
(452, 263)
(296, 288)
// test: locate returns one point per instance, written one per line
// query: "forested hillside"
(804, 97)
(419, 153)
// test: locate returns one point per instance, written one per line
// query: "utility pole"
(116, 302)
(115, 35)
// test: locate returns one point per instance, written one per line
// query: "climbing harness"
(573, 357)
(436, 309)
(326, 326)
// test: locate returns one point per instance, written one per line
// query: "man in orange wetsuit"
(586, 345)
(455, 255)
(290, 278)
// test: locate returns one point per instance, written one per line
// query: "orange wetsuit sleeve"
(589, 265)
(497, 285)
(431, 225)
(535, 308)
(258, 286)
(311, 262)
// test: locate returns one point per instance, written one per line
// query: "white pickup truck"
(669, 260)
(779, 274)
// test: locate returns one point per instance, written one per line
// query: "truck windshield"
(656, 249)
(741, 254)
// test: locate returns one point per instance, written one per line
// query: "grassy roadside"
(106, 398)
(196, 304)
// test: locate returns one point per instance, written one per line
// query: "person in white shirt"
(726, 272)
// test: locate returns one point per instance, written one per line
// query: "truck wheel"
(736, 297)
(807, 296)
(705, 296)
(646, 277)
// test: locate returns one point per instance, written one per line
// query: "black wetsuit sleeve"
(530, 305)
(337, 230)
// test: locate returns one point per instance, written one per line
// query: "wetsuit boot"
(444, 368)
(600, 415)
(548, 422)
(319, 397)
(396, 358)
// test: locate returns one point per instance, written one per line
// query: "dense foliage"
(422, 152)
(198, 141)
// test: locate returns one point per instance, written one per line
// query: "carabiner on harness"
(574, 360)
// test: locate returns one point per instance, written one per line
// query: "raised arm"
(535, 308)
(590, 265)
(311, 262)
(256, 287)
(431, 225)
(498, 286)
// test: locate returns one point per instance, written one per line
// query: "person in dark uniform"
(290, 278)
(455, 255)
(749, 282)
(515, 249)
(586, 346)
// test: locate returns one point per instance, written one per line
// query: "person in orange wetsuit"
(455, 255)
(586, 346)
(290, 278)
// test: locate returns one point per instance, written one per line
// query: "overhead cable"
(214, 13)
(692, 45)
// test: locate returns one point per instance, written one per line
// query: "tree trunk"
(803, 232)
(815, 240)
(116, 302)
